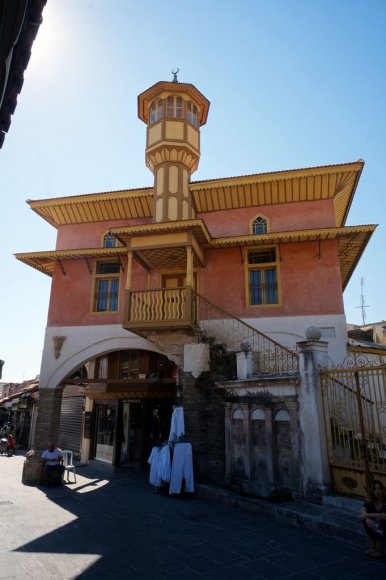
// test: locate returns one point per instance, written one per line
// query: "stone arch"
(282, 415)
(52, 375)
(258, 415)
(237, 414)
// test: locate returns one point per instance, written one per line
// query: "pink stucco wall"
(72, 295)
(77, 236)
(309, 285)
(281, 218)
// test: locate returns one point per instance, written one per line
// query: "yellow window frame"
(261, 267)
(95, 297)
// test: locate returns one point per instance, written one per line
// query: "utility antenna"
(363, 305)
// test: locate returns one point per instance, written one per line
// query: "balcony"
(184, 309)
(165, 309)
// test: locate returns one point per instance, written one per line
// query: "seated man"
(53, 468)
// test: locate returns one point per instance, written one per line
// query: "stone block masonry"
(47, 426)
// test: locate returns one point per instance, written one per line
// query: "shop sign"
(131, 400)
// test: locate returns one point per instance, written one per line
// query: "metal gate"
(71, 424)
(355, 415)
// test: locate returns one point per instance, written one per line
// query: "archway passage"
(127, 400)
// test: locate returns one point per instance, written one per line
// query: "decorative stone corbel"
(58, 343)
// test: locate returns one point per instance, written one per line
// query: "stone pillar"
(269, 449)
(244, 362)
(294, 435)
(312, 433)
(47, 425)
(228, 443)
(193, 403)
(247, 439)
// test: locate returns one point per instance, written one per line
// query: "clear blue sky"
(292, 83)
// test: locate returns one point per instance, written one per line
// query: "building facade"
(163, 294)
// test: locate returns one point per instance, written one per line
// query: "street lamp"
(1, 367)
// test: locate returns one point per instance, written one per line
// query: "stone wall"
(47, 425)
(261, 435)
(204, 425)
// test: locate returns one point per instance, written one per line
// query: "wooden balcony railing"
(160, 309)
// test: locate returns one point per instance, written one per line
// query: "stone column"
(47, 425)
(293, 408)
(312, 433)
(228, 443)
(244, 362)
(247, 439)
(269, 450)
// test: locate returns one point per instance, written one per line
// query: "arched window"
(109, 241)
(259, 226)
(191, 114)
(155, 111)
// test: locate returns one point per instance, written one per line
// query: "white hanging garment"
(182, 468)
(177, 427)
(155, 464)
(165, 465)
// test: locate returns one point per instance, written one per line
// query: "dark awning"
(19, 23)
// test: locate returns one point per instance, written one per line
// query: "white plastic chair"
(68, 464)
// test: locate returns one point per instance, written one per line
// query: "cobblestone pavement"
(117, 526)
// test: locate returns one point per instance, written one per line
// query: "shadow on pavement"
(126, 528)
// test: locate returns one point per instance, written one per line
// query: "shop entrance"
(132, 432)
(143, 424)
(105, 431)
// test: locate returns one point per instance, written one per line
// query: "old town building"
(194, 292)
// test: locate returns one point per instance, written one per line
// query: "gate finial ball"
(313, 333)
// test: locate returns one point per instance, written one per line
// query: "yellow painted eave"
(95, 207)
(333, 182)
(45, 261)
(352, 241)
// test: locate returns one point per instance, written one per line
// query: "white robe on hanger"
(177, 427)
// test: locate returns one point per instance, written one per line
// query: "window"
(191, 114)
(327, 331)
(100, 367)
(262, 277)
(259, 226)
(128, 364)
(106, 286)
(174, 107)
(155, 111)
(109, 241)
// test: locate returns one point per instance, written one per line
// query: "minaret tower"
(173, 113)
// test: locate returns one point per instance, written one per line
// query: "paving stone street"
(111, 525)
